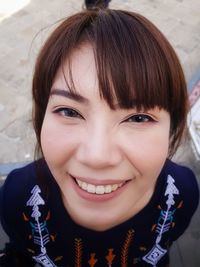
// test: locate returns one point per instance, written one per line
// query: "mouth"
(98, 189)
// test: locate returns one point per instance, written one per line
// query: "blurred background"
(24, 26)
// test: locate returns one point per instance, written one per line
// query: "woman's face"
(105, 161)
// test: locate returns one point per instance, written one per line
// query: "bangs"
(134, 65)
(131, 66)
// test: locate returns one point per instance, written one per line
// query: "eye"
(68, 112)
(140, 118)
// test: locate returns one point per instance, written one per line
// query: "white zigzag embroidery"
(157, 252)
(39, 239)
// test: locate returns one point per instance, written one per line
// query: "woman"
(109, 110)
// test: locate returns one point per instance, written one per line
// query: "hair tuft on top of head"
(96, 4)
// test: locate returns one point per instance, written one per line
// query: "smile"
(98, 189)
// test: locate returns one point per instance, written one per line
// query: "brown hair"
(135, 64)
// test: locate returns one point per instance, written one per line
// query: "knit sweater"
(39, 225)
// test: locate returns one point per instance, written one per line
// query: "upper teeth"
(98, 189)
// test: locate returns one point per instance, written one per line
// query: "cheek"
(57, 144)
(148, 151)
(155, 146)
(48, 142)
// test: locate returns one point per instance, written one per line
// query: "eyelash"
(71, 113)
(140, 118)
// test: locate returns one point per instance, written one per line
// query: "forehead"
(78, 65)
(78, 73)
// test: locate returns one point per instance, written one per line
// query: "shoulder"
(19, 181)
(182, 191)
(184, 177)
(16, 190)
(15, 193)
(183, 180)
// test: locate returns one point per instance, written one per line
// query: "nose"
(99, 148)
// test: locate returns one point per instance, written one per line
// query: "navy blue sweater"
(39, 226)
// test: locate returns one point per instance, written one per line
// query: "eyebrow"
(79, 98)
(70, 95)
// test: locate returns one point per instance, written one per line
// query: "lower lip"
(97, 197)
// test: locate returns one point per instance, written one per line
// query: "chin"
(96, 222)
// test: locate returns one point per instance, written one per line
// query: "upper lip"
(99, 181)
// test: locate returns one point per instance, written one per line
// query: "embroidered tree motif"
(171, 190)
(40, 232)
(167, 216)
(164, 222)
(92, 260)
(34, 201)
(125, 248)
(110, 257)
(78, 252)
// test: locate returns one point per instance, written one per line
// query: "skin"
(83, 138)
